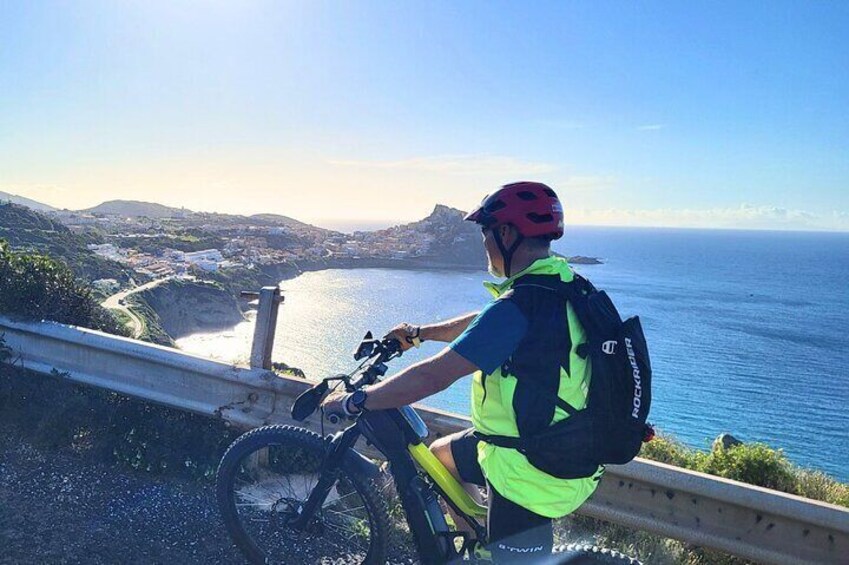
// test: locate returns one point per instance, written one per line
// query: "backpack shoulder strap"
(546, 283)
(575, 291)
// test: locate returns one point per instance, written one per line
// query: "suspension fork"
(339, 447)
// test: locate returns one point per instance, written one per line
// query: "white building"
(204, 255)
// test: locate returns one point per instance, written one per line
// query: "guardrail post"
(266, 323)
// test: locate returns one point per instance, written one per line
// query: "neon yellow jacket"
(492, 413)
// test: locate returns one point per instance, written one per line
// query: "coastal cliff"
(186, 307)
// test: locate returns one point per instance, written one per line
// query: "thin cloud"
(456, 164)
(651, 127)
(745, 216)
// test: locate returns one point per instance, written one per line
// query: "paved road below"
(114, 302)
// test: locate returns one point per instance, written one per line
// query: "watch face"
(358, 398)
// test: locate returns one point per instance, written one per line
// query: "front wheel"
(574, 554)
(264, 480)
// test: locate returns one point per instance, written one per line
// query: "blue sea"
(748, 331)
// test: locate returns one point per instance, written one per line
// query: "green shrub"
(755, 464)
(667, 450)
(816, 485)
(35, 286)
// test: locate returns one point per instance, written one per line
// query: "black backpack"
(612, 427)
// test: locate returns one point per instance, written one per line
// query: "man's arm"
(448, 330)
(413, 383)
(485, 344)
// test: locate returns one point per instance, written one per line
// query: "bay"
(747, 330)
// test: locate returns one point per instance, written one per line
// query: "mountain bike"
(289, 495)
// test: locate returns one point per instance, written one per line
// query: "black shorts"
(515, 533)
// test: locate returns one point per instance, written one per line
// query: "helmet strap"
(507, 254)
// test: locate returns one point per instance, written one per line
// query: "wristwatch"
(416, 338)
(356, 398)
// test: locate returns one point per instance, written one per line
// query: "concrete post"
(266, 323)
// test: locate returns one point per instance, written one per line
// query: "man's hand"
(404, 333)
(332, 403)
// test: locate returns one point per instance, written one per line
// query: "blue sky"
(711, 114)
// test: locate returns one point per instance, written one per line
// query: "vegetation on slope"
(27, 230)
(153, 330)
(54, 413)
(755, 464)
(37, 287)
(181, 240)
(135, 208)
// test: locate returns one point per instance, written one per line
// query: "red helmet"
(532, 207)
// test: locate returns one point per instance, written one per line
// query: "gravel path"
(57, 507)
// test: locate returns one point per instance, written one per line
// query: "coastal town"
(173, 245)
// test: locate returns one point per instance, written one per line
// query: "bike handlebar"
(376, 354)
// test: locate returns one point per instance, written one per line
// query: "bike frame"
(392, 434)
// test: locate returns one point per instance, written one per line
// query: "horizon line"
(386, 223)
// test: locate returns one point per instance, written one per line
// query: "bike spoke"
(343, 531)
(348, 512)
(270, 487)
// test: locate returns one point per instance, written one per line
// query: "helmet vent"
(526, 195)
(549, 192)
(540, 218)
(495, 206)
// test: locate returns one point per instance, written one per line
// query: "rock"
(582, 260)
(725, 441)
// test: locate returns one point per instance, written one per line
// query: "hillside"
(34, 286)
(5, 197)
(455, 240)
(26, 229)
(134, 208)
(279, 220)
(450, 240)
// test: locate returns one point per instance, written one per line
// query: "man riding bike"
(524, 352)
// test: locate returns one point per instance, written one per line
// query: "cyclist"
(524, 356)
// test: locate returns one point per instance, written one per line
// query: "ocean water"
(748, 331)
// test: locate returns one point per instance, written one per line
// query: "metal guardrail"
(743, 520)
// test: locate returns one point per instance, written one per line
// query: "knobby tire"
(313, 448)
